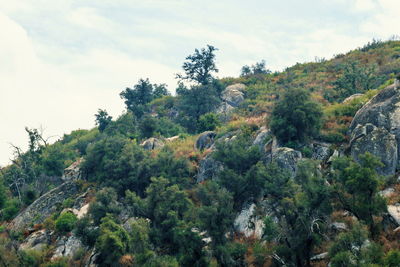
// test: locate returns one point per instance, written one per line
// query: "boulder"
(67, 246)
(208, 169)
(263, 136)
(287, 159)
(320, 257)
(320, 151)
(152, 143)
(247, 224)
(394, 212)
(73, 172)
(383, 112)
(44, 206)
(338, 226)
(205, 140)
(231, 97)
(388, 192)
(38, 240)
(377, 141)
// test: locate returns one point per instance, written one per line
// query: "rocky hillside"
(292, 168)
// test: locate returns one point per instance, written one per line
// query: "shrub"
(66, 222)
(11, 209)
(208, 122)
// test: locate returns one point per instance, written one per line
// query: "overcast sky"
(62, 60)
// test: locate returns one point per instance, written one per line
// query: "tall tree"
(199, 66)
(102, 119)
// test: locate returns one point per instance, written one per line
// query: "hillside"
(291, 168)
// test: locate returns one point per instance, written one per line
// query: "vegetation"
(146, 208)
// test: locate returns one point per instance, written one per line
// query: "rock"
(231, 97)
(320, 257)
(91, 261)
(38, 240)
(388, 192)
(67, 246)
(246, 223)
(152, 143)
(377, 141)
(320, 151)
(44, 206)
(82, 211)
(205, 140)
(394, 212)
(335, 155)
(338, 226)
(352, 97)
(287, 159)
(73, 172)
(262, 137)
(208, 169)
(171, 139)
(383, 112)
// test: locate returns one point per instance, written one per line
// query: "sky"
(60, 61)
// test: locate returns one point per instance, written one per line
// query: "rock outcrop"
(394, 212)
(152, 143)
(383, 112)
(262, 137)
(352, 97)
(73, 172)
(208, 169)
(247, 224)
(205, 140)
(38, 241)
(44, 206)
(67, 246)
(321, 151)
(232, 97)
(286, 158)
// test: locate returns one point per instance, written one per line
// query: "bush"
(11, 209)
(208, 122)
(66, 222)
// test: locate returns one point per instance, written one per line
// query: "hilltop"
(291, 168)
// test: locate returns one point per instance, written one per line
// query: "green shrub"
(66, 222)
(11, 209)
(208, 122)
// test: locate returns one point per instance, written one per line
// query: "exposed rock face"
(377, 141)
(262, 137)
(73, 172)
(232, 96)
(287, 159)
(321, 151)
(44, 206)
(152, 143)
(388, 192)
(383, 112)
(352, 97)
(208, 169)
(67, 247)
(205, 140)
(247, 224)
(338, 226)
(38, 240)
(394, 212)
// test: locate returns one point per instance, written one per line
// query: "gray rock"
(262, 137)
(287, 159)
(394, 212)
(320, 257)
(152, 143)
(73, 172)
(320, 151)
(377, 141)
(91, 261)
(247, 224)
(67, 246)
(205, 140)
(338, 226)
(231, 97)
(44, 206)
(38, 240)
(208, 169)
(382, 111)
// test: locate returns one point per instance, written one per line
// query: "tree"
(66, 222)
(200, 66)
(356, 188)
(208, 122)
(102, 119)
(258, 68)
(296, 117)
(138, 98)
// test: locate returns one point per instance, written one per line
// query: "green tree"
(113, 242)
(200, 66)
(102, 119)
(208, 122)
(138, 98)
(356, 188)
(106, 203)
(66, 222)
(296, 117)
(258, 68)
